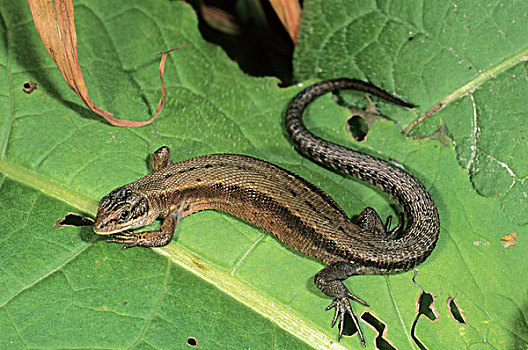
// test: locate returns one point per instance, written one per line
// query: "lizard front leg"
(329, 281)
(157, 238)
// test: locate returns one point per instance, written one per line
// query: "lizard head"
(122, 209)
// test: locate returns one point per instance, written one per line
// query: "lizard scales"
(295, 211)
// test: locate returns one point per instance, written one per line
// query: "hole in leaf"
(72, 219)
(192, 341)
(455, 311)
(380, 327)
(29, 87)
(349, 329)
(424, 306)
(357, 127)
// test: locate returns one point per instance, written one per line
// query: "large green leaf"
(468, 56)
(224, 282)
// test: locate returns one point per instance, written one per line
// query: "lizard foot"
(128, 238)
(371, 221)
(342, 308)
(330, 281)
(157, 238)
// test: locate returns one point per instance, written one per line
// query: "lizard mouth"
(100, 228)
(107, 228)
(103, 228)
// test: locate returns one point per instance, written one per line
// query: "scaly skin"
(295, 211)
(383, 254)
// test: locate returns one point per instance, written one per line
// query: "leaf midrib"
(49, 187)
(279, 314)
(512, 61)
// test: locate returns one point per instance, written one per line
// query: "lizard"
(298, 213)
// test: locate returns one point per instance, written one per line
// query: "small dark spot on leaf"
(192, 341)
(125, 303)
(199, 265)
(411, 38)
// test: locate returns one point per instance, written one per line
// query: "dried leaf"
(509, 237)
(220, 20)
(508, 241)
(289, 13)
(54, 20)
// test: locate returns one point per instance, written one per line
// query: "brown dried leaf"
(54, 20)
(508, 241)
(220, 20)
(289, 13)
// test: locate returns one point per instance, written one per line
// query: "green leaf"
(223, 282)
(469, 57)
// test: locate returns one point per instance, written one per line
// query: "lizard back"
(295, 211)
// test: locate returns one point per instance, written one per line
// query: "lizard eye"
(125, 214)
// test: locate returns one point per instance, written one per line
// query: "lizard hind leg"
(330, 281)
(370, 221)
(161, 158)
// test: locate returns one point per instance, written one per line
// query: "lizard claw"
(127, 238)
(342, 308)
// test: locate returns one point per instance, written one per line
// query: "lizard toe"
(342, 308)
